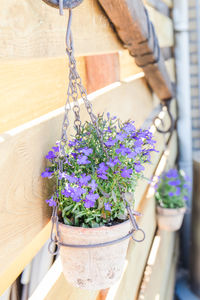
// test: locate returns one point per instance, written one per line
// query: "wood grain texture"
(31, 88)
(128, 18)
(101, 70)
(22, 191)
(33, 29)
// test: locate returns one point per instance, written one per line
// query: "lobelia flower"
(83, 160)
(107, 206)
(93, 185)
(126, 172)
(138, 167)
(56, 149)
(112, 162)
(47, 173)
(87, 151)
(171, 194)
(110, 142)
(50, 155)
(102, 171)
(123, 150)
(121, 136)
(178, 191)
(172, 173)
(84, 179)
(129, 128)
(71, 178)
(174, 182)
(132, 154)
(51, 202)
(90, 200)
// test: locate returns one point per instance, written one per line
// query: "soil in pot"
(93, 268)
(170, 219)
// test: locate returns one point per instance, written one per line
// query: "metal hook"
(166, 105)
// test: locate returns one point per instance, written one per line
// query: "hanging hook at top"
(63, 4)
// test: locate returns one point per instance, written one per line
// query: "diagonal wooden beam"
(130, 22)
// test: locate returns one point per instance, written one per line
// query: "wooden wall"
(33, 81)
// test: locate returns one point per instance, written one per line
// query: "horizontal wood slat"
(33, 29)
(35, 87)
(128, 18)
(23, 210)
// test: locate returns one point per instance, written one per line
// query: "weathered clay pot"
(170, 219)
(93, 268)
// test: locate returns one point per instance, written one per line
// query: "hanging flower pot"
(94, 268)
(170, 219)
(95, 175)
(171, 196)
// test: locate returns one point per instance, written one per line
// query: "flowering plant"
(173, 189)
(89, 188)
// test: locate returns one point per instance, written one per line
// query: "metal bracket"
(66, 3)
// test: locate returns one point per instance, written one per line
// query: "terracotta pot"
(170, 219)
(93, 268)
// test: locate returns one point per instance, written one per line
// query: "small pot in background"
(170, 219)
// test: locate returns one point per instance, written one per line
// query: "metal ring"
(66, 3)
(53, 252)
(171, 126)
(140, 240)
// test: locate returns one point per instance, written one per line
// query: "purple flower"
(71, 178)
(107, 206)
(129, 128)
(171, 194)
(50, 155)
(76, 194)
(132, 155)
(87, 151)
(172, 173)
(110, 142)
(46, 173)
(102, 171)
(56, 149)
(123, 150)
(112, 162)
(174, 182)
(93, 185)
(121, 136)
(90, 200)
(126, 172)
(74, 155)
(84, 179)
(186, 198)
(73, 143)
(108, 115)
(83, 160)
(67, 192)
(138, 167)
(51, 202)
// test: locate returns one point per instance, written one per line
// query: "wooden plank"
(23, 150)
(101, 70)
(158, 268)
(128, 67)
(14, 268)
(160, 6)
(165, 33)
(128, 18)
(33, 29)
(33, 88)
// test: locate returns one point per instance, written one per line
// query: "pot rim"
(175, 211)
(95, 228)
